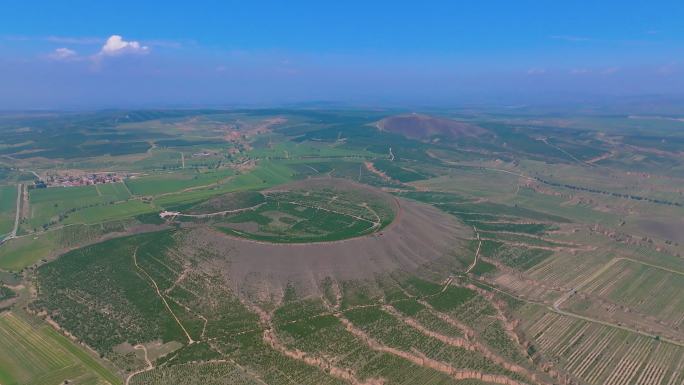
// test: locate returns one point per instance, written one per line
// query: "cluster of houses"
(77, 180)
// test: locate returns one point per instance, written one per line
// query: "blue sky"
(92, 54)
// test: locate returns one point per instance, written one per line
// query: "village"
(72, 180)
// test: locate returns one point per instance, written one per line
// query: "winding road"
(149, 366)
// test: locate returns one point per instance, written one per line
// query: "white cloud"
(536, 71)
(63, 54)
(579, 71)
(610, 70)
(667, 69)
(116, 46)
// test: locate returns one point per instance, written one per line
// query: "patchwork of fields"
(328, 247)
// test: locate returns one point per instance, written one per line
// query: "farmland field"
(39, 355)
(598, 354)
(174, 181)
(355, 247)
(53, 205)
(629, 286)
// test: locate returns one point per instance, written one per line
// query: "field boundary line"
(602, 270)
(584, 318)
(652, 265)
(208, 215)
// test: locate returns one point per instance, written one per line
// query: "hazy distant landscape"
(341, 246)
(329, 193)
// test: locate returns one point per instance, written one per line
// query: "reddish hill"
(416, 126)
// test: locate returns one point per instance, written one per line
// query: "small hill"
(417, 126)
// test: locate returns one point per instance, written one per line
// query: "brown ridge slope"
(418, 126)
(419, 234)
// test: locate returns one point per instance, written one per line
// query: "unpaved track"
(146, 369)
(593, 276)
(583, 163)
(477, 253)
(159, 293)
(208, 215)
(17, 215)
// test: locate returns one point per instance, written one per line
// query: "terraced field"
(598, 354)
(628, 287)
(159, 294)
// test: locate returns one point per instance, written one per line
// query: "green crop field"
(175, 181)
(109, 212)
(24, 251)
(53, 205)
(39, 355)
(117, 190)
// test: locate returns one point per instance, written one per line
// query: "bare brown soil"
(370, 167)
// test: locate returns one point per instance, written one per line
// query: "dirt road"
(146, 369)
(159, 293)
(477, 253)
(17, 215)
